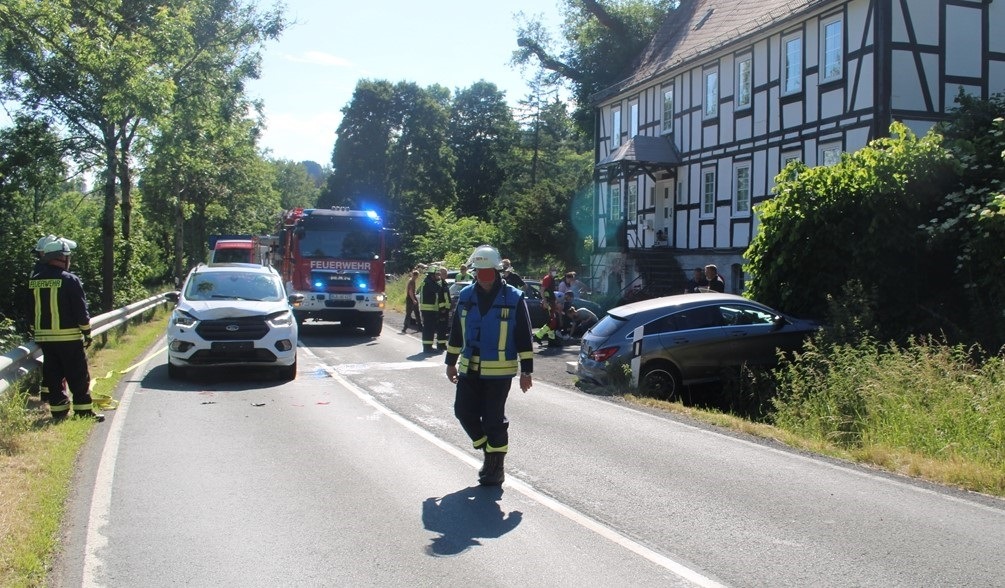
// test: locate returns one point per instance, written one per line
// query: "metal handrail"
(24, 359)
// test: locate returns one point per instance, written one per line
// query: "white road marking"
(527, 490)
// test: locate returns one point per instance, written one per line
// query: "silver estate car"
(688, 339)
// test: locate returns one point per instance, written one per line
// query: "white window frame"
(633, 201)
(615, 127)
(830, 154)
(831, 49)
(633, 119)
(744, 86)
(711, 93)
(681, 187)
(708, 192)
(792, 64)
(614, 202)
(666, 202)
(741, 189)
(668, 106)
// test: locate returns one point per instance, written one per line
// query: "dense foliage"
(916, 224)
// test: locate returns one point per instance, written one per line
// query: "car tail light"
(604, 354)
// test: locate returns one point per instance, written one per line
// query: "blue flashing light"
(361, 285)
(319, 285)
(372, 214)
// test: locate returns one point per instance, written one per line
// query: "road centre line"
(527, 490)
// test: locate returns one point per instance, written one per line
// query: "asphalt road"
(357, 474)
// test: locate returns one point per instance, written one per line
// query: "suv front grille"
(246, 328)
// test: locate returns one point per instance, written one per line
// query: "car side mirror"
(778, 322)
(172, 296)
(295, 299)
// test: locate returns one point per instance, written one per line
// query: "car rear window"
(607, 326)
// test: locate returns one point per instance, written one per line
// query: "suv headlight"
(280, 319)
(180, 318)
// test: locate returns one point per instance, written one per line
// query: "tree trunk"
(108, 221)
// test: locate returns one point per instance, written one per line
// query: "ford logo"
(233, 328)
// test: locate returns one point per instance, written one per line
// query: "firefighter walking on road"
(431, 304)
(490, 343)
(62, 328)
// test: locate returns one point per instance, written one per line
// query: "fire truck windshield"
(359, 242)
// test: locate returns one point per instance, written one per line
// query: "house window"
(832, 59)
(744, 82)
(615, 208)
(708, 192)
(652, 197)
(666, 201)
(668, 110)
(681, 191)
(741, 190)
(792, 66)
(711, 93)
(633, 202)
(633, 123)
(830, 154)
(615, 128)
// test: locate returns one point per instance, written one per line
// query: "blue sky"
(309, 75)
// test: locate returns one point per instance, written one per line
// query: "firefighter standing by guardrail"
(62, 329)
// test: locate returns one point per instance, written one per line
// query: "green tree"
(295, 186)
(360, 157)
(421, 161)
(106, 68)
(444, 236)
(483, 136)
(861, 221)
(971, 220)
(600, 41)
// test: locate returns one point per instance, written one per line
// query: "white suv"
(235, 314)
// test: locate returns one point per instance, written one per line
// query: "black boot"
(89, 414)
(494, 473)
(427, 348)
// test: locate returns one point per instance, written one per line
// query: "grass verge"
(37, 462)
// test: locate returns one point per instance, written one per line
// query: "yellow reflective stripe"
(526, 354)
(504, 367)
(56, 338)
(87, 406)
(464, 324)
(38, 302)
(454, 350)
(490, 449)
(479, 443)
(503, 331)
(59, 407)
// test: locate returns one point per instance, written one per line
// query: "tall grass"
(917, 408)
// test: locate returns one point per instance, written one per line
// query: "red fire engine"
(334, 257)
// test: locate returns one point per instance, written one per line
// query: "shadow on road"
(463, 517)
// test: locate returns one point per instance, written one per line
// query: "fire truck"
(334, 257)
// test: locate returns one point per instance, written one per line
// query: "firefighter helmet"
(59, 247)
(40, 246)
(432, 269)
(485, 257)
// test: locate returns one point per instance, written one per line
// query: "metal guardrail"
(21, 361)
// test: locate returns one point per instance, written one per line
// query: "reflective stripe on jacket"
(60, 309)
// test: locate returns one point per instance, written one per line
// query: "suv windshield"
(234, 286)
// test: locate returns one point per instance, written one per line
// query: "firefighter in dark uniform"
(431, 304)
(490, 343)
(62, 328)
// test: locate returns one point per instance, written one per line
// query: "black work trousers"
(480, 406)
(65, 360)
(434, 330)
(412, 317)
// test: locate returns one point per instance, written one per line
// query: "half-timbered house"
(729, 91)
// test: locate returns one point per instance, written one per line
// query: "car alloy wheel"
(660, 381)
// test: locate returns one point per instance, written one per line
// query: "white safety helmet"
(58, 247)
(485, 257)
(40, 246)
